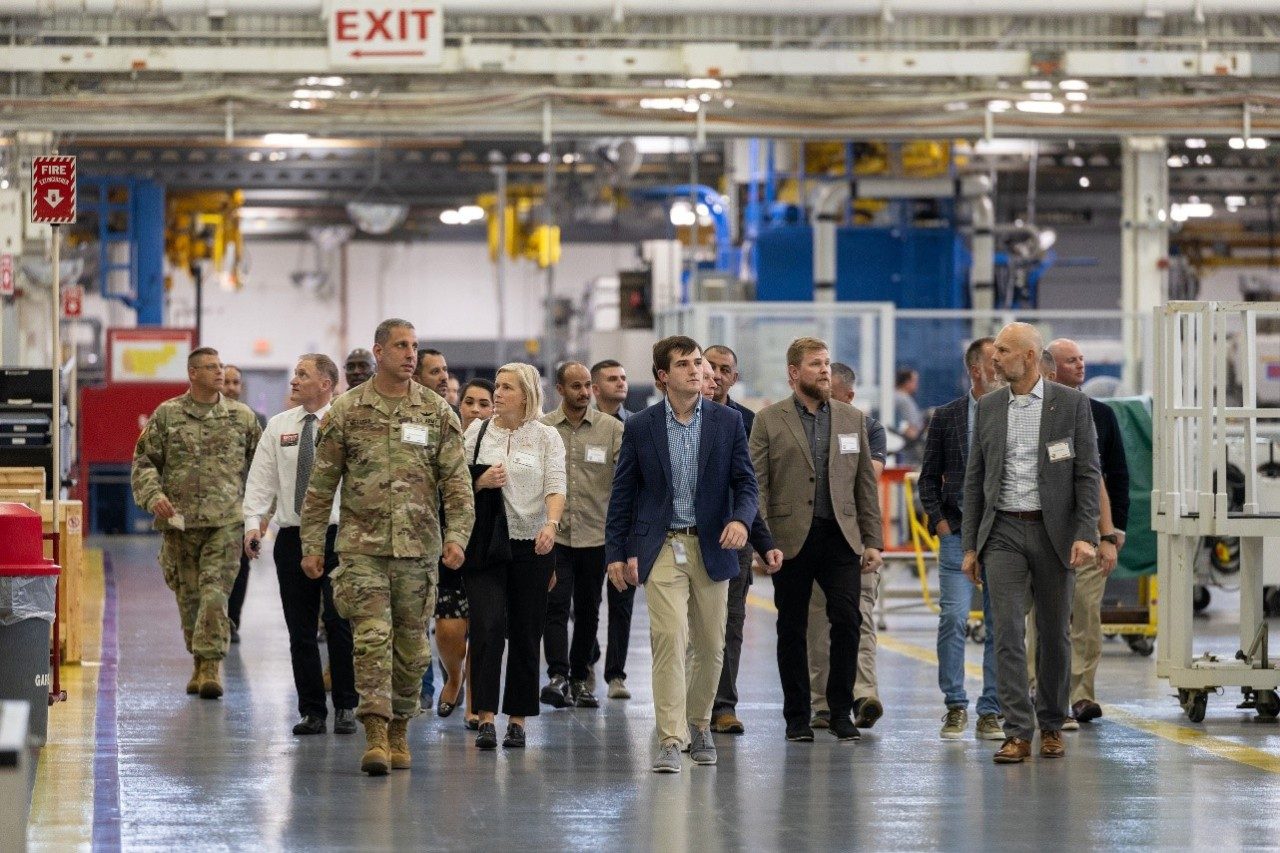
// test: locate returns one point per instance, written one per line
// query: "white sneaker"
(618, 689)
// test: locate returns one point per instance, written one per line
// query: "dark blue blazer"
(641, 505)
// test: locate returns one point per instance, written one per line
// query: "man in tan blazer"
(818, 495)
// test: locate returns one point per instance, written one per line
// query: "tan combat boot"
(193, 686)
(374, 761)
(398, 742)
(210, 679)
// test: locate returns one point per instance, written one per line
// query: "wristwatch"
(554, 524)
(1110, 537)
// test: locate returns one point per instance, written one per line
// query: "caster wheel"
(1140, 645)
(1199, 598)
(1197, 702)
(1267, 704)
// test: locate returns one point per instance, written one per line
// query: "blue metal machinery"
(128, 212)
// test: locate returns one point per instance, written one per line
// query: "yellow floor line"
(62, 802)
(1183, 735)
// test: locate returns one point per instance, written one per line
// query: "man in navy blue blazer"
(684, 498)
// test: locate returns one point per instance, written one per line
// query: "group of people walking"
(503, 523)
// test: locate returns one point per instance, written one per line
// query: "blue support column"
(148, 221)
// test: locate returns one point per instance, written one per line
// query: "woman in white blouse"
(508, 598)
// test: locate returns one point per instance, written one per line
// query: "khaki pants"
(687, 611)
(864, 686)
(200, 566)
(1086, 633)
(388, 601)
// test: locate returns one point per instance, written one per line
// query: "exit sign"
(385, 33)
(53, 190)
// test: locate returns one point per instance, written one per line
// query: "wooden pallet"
(22, 478)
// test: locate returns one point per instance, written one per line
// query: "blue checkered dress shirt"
(682, 444)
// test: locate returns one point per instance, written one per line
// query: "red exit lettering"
(392, 25)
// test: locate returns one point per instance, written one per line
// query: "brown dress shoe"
(1014, 750)
(727, 724)
(1051, 745)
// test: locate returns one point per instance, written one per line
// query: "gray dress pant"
(727, 692)
(1019, 560)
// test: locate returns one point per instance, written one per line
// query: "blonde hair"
(530, 382)
(801, 347)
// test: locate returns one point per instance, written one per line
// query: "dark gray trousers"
(727, 693)
(1019, 560)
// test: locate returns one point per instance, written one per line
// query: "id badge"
(595, 453)
(525, 459)
(1059, 450)
(414, 434)
(680, 551)
(289, 439)
(849, 442)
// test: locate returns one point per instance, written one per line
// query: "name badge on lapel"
(849, 442)
(524, 458)
(1059, 450)
(595, 453)
(414, 434)
(289, 439)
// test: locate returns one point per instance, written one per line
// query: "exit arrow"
(53, 198)
(360, 54)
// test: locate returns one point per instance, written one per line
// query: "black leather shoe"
(582, 696)
(487, 737)
(444, 708)
(556, 692)
(310, 725)
(472, 723)
(515, 737)
(844, 729)
(344, 721)
(800, 733)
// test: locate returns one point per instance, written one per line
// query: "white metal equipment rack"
(1194, 413)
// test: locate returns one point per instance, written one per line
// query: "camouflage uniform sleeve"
(326, 473)
(148, 460)
(456, 492)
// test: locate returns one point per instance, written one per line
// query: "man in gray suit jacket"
(1030, 519)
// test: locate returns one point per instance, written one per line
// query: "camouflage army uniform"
(397, 460)
(198, 459)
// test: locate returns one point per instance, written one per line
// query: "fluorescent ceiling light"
(285, 138)
(1084, 182)
(451, 217)
(1041, 96)
(1075, 96)
(1191, 210)
(471, 212)
(682, 214)
(1175, 162)
(1037, 85)
(998, 106)
(1197, 143)
(1236, 142)
(1236, 201)
(1010, 147)
(1256, 143)
(1073, 86)
(1048, 107)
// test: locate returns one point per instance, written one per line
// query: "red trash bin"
(28, 605)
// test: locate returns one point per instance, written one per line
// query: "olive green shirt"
(197, 455)
(591, 451)
(397, 460)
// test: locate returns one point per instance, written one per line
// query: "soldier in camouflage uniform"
(396, 447)
(189, 470)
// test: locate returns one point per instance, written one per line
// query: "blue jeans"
(955, 594)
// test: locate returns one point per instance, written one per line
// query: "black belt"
(682, 531)
(1024, 515)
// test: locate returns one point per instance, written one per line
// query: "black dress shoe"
(800, 733)
(844, 729)
(309, 725)
(472, 723)
(344, 721)
(443, 708)
(487, 738)
(515, 737)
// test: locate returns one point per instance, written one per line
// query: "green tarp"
(1139, 554)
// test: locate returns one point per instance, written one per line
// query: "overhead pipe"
(618, 9)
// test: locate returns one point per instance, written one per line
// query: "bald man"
(1030, 521)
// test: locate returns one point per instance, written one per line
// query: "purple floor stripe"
(106, 756)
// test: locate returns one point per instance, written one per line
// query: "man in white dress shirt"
(280, 472)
